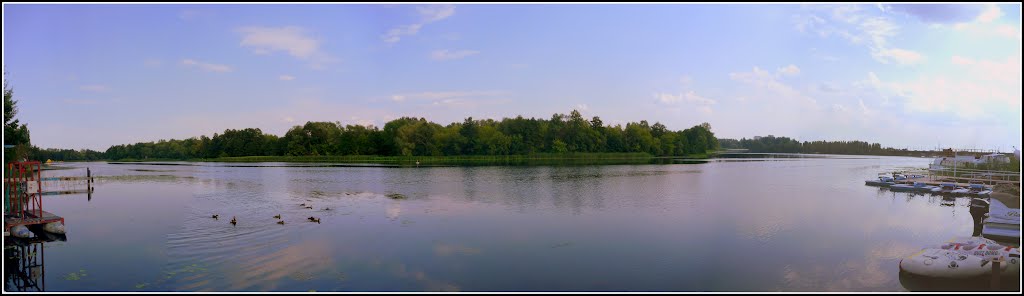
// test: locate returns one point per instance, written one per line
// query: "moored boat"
(962, 258)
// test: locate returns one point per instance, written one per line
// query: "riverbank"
(460, 160)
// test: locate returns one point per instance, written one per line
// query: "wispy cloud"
(286, 77)
(900, 56)
(444, 54)
(942, 13)
(769, 85)
(976, 89)
(789, 70)
(428, 14)
(689, 96)
(209, 67)
(852, 23)
(293, 40)
(94, 87)
(443, 95)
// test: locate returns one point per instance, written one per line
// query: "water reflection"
(791, 224)
(25, 262)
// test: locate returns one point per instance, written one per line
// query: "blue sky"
(91, 76)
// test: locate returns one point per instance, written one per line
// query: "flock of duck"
(234, 220)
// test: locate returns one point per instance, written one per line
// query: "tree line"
(410, 136)
(772, 144)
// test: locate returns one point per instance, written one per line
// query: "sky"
(916, 76)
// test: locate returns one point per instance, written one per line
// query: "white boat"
(54, 227)
(944, 188)
(1001, 221)
(978, 189)
(21, 231)
(962, 258)
(960, 191)
(882, 181)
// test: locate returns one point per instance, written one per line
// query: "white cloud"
(991, 13)
(206, 66)
(445, 54)
(433, 13)
(689, 96)
(445, 97)
(769, 84)
(395, 34)
(1007, 31)
(975, 90)
(94, 87)
(286, 77)
(901, 56)
(789, 70)
(428, 14)
(582, 107)
(290, 39)
(854, 25)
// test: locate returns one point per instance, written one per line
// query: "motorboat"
(1001, 221)
(883, 181)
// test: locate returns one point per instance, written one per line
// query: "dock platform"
(30, 219)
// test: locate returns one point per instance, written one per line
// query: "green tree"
(15, 133)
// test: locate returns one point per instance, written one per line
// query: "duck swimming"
(278, 216)
(280, 222)
(215, 216)
(233, 220)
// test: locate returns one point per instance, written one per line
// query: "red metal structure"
(23, 196)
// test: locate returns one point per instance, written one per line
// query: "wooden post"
(995, 273)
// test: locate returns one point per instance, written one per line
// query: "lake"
(750, 224)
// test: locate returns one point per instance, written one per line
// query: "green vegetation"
(772, 144)
(15, 133)
(488, 140)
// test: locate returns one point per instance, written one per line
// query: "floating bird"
(310, 207)
(327, 209)
(215, 216)
(278, 216)
(302, 204)
(280, 222)
(311, 218)
(233, 220)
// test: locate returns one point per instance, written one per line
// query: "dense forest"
(772, 144)
(409, 136)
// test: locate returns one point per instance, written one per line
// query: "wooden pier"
(29, 218)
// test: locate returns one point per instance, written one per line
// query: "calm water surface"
(785, 224)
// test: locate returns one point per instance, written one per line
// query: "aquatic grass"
(74, 276)
(396, 196)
